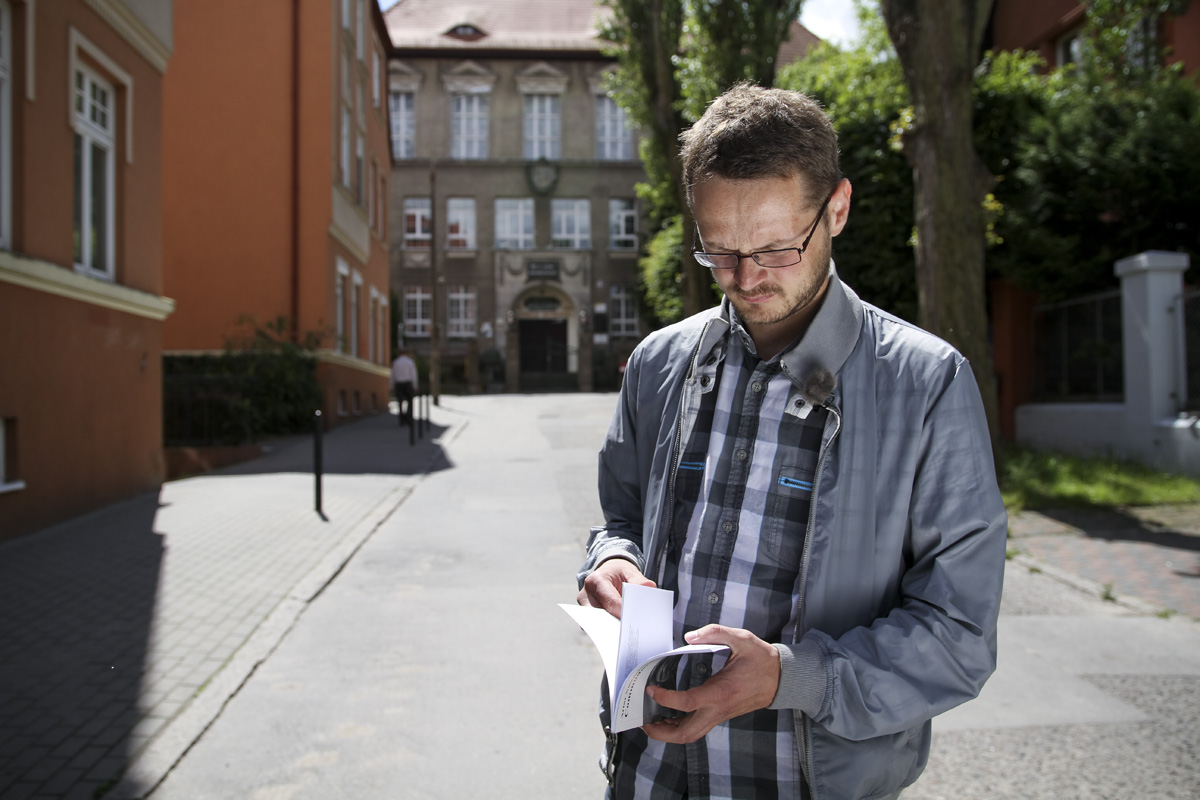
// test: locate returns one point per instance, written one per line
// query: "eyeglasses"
(771, 259)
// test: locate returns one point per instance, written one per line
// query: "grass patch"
(1033, 480)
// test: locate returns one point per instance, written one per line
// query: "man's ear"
(839, 207)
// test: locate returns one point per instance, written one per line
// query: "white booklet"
(633, 647)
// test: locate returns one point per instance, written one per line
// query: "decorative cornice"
(43, 276)
(541, 78)
(327, 356)
(133, 31)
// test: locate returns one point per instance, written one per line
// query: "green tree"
(674, 57)
(938, 45)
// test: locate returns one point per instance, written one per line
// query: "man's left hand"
(748, 682)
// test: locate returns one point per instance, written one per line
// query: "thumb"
(710, 634)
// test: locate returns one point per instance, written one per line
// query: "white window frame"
(460, 212)
(94, 126)
(418, 324)
(418, 210)
(514, 223)
(385, 324)
(460, 312)
(570, 223)
(346, 14)
(543, 126)
(622, 224)
(341, 278)
(622, 312)
(469, 125)
(402, 106)
(5, 145)
(614, 137)
(355, 292)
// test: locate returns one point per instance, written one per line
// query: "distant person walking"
(404, 385)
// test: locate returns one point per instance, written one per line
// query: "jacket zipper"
(806, 725)
(676, 457)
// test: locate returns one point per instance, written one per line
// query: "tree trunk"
(938, 44)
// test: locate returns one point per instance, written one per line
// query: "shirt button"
(727, 526)
(704, 380)
(702, 669)
(799, 402)
(742, 455)
(713, 599)
(756, 386)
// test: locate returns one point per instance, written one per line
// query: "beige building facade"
(514, 218)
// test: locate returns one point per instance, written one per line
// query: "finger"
(685, 701)
(603, 593)
(683, 730)
(713, 634)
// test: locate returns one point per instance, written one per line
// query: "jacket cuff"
(803, 677)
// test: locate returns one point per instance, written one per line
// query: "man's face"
(748, 216)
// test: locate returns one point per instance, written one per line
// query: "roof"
(797, 45)
(567, 25)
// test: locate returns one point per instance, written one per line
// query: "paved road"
(221, 636)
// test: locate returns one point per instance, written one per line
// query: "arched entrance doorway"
(544, 340)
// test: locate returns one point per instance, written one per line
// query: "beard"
(786, 303)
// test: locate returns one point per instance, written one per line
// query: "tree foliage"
(674, 57)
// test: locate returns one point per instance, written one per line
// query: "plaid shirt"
(740, 515)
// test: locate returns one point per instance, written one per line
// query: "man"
(404, 385)
(813, 479)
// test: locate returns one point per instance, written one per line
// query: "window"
(5, 133)
(469, 126)
(622, 314)
(381, 349)
(418, 223)
(360, 39)
(1069, 47)
(614, 140)
(371, 195)
(375, 78)
(347, 110)
(9, 474)
(622, 224)
(372, 322)
(382, 207)
(570, 224)
(345, 146)
(94, 174)
(460, 311)
(404, 124)
(460, 223)
(358, 169)
(346, 14)
(355, 302)
(542, 126)
(417, 305)
(514, 223)
(339, 299)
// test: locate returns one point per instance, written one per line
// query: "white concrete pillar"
(1152, 317)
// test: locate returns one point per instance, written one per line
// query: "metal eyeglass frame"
(709, 259)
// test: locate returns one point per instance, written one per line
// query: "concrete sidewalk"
(125, 632)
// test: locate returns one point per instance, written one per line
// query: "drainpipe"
(295, 310)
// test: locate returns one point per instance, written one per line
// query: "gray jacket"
(902, 570)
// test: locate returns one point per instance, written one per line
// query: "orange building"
(275, 184)
(81, 284)
(1053, 28)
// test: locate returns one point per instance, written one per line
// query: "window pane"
(99, 208)
(80, 178)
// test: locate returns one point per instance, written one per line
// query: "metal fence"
(1078, 350)
(205, 410)
(1191, 329)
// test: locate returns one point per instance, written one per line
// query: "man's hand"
(602, 588)
(747, 683)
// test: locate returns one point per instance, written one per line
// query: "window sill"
(14, 486)
(624, 252)
(461, 253)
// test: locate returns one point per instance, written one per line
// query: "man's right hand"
(602, 588)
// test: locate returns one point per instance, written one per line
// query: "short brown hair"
(750, 132)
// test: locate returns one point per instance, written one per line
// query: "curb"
(153, 764)
(1089, 586)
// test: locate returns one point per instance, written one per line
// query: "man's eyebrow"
(779, 244)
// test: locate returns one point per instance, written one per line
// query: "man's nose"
(748, 272)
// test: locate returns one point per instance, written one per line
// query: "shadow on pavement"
(1116, 524)
(373, 445)
(74, 635)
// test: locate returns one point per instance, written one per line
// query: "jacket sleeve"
(619, 483)
(937, 646)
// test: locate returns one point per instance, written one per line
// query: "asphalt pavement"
(222, 640)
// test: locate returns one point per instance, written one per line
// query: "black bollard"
(318, 467)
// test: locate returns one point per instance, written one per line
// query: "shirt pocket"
(788, 502)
